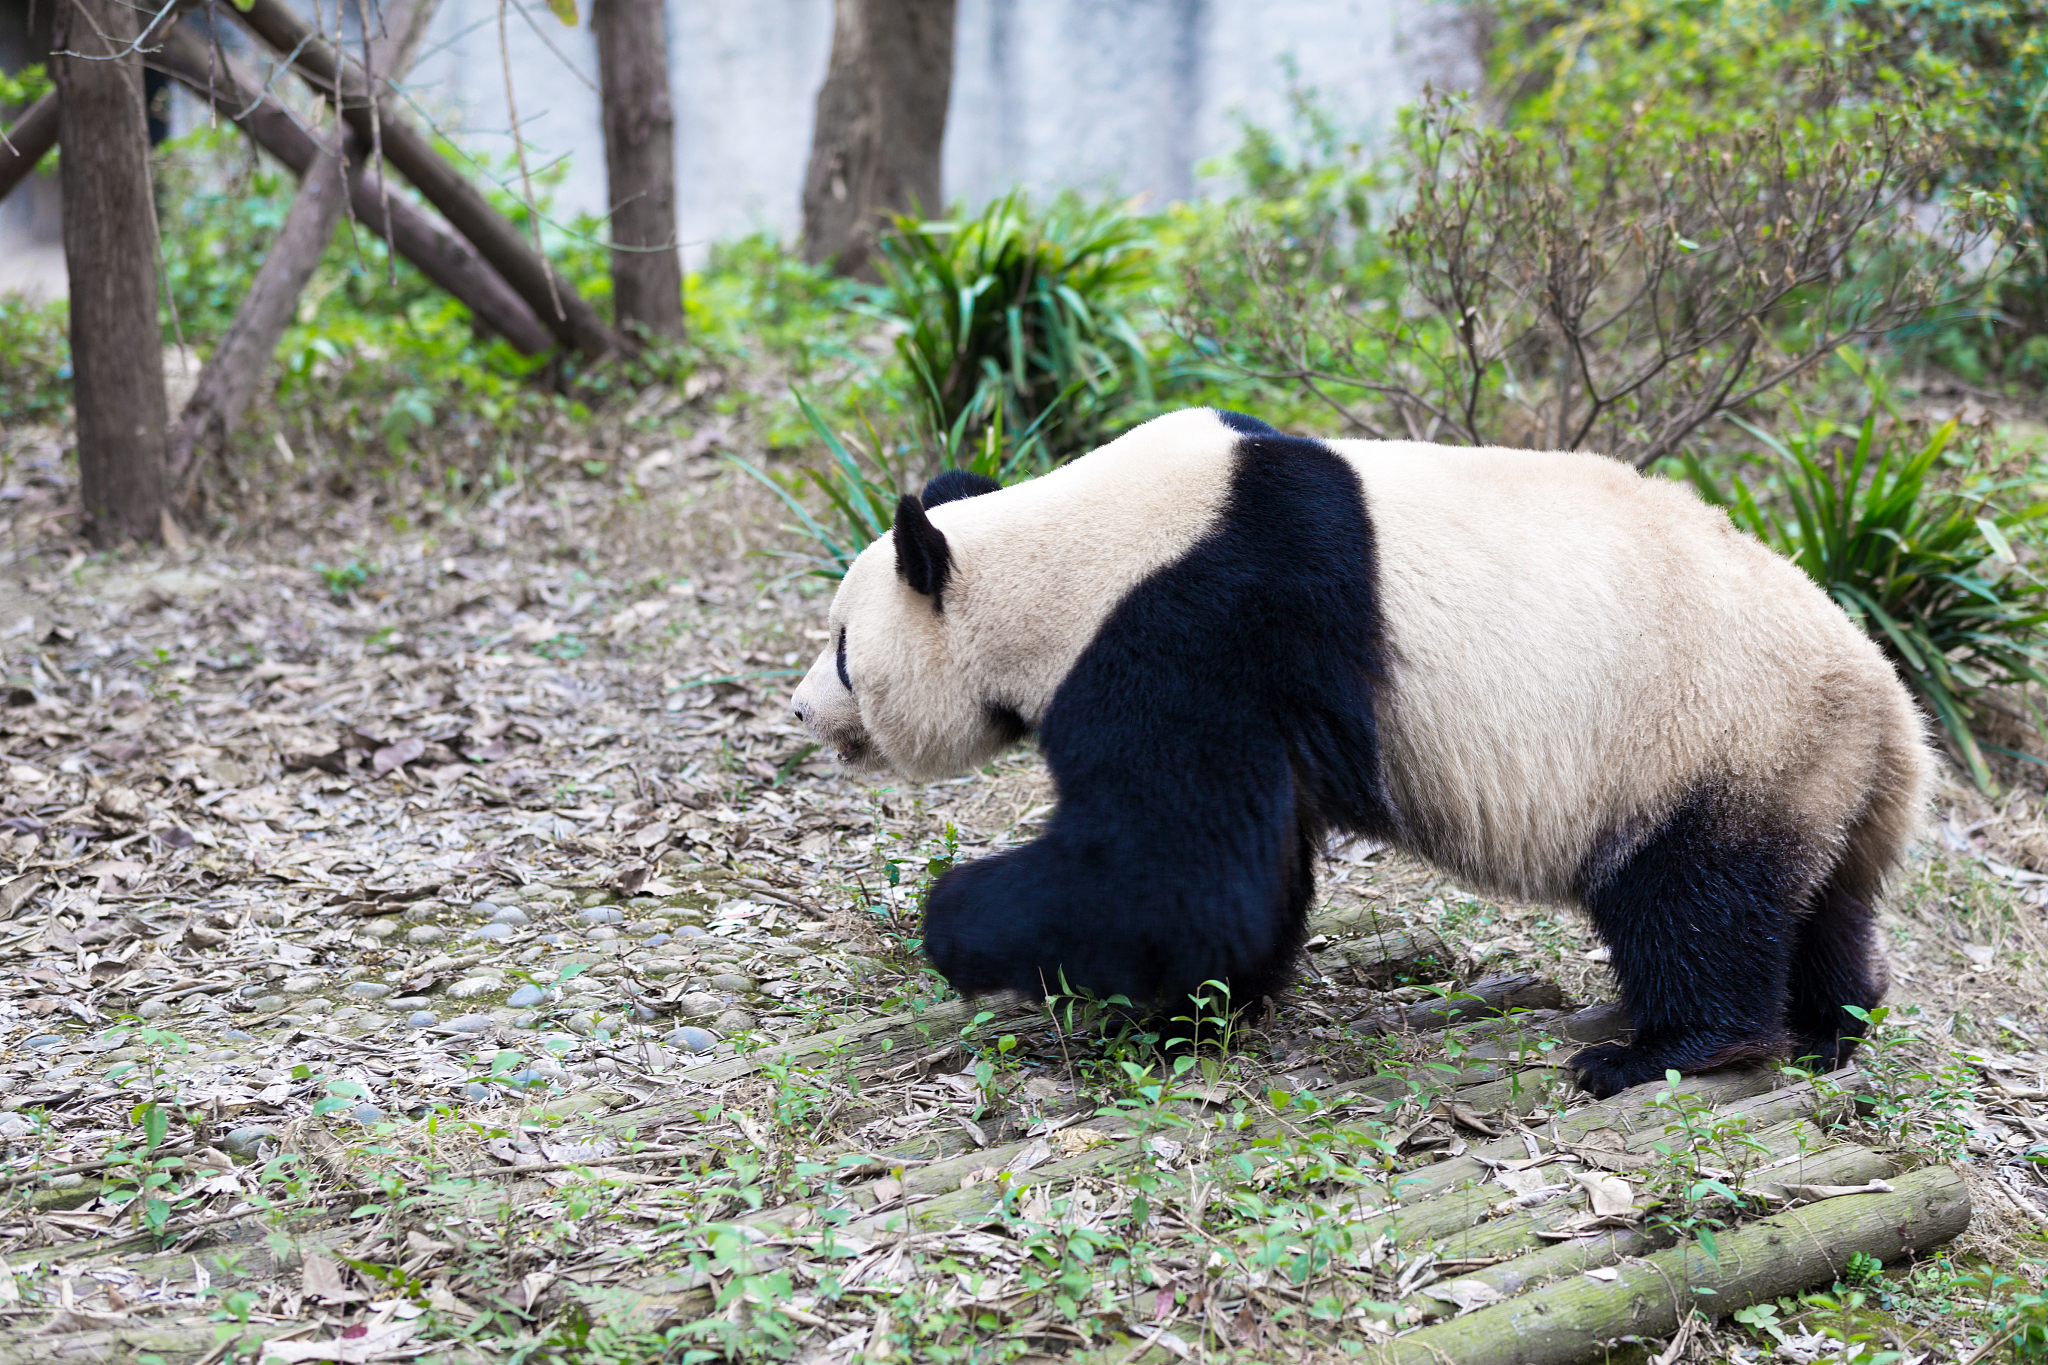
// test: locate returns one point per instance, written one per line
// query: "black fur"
(1243, 425)
(1701, 917)
(1832, 966)
(923, 559)
(1218, 724)
(954, 484)
(845, 680)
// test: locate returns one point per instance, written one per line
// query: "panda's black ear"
(923, 558)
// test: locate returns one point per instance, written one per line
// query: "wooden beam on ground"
(27, 142)
(553, 299)
(446, 259)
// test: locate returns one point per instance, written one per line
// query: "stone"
(733, 1021)
(471, 987)
(656, 940)
(422, 1019)
(268, 1004)
(690, 931)
(469, 1023)
(367, 990)
(483, 910)
(526, 1080)
(43, 1040)
(591, 898)
(691, 1039)
(316, 1007)
(304, 984)
(526, 997)
(425, 933)
(153, 1009)
(496, 933)
(509, 914)
(421, 913)
(581, 1023)
(410, 1002)
(476, 1091)
(734, 982)
(603, 933)
(235, 1035)
(245, 1140)
(700, 1005)
(380, 928)
(600, 914)
(527, 1022)
(646, 1014)
(367, 1114)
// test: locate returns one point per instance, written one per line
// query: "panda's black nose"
(803, 713)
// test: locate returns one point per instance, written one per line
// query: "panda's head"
(892, 687)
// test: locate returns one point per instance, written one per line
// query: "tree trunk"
(110, 251)
(27, 142)
(881, 123)
(640, 165)
(230, 376)
(565, 312)
(440, 255)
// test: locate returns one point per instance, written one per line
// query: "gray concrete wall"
(1124, 96)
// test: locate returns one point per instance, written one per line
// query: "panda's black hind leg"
(1834, 963)
(1701, 920)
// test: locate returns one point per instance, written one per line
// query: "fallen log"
(451, 263)
(1573, 1320)
(228, 379)
(27, 142)
(553, 299)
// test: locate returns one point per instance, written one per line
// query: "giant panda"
(1551, 677)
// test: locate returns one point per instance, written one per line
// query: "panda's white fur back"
(1576, 647)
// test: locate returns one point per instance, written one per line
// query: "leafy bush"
(1021, 318)
(35, 361)
(1984, 65)
(1597, 271)
(1932, 569)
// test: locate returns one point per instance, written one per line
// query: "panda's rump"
(1578, 651)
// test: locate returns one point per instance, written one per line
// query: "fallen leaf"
(396, 755)
(321, 1280)
(1612, 1196)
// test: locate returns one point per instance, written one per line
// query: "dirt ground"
(402, 932)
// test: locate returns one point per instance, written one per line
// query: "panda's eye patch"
(844, 680)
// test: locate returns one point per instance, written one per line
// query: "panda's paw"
(1611, 1068)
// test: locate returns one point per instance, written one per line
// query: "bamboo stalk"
(1572, 1320)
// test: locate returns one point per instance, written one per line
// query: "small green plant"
(141, 1179)
(1688, 1195)
(342, 579)
(1929, 570)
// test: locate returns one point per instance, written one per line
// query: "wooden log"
(1834, 1166)
(1376, 959)
(451, 263)
(553, 299)
(27, 142)
(1571, 1321)
(228, 379)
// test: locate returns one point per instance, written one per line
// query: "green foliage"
(1022, 317)
(19, 89)
(1984, 66)
(1927, 567)
(342, 579)
(35, 361)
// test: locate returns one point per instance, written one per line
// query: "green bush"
(1021, 317)
(35, 362)
(1930, 556)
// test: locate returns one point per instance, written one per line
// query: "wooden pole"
(565, 312)
(640, 165)
(450, 262)
(231, 374)
(110, 253)
(28, 142)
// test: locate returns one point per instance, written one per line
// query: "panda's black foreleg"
(1701, 920)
